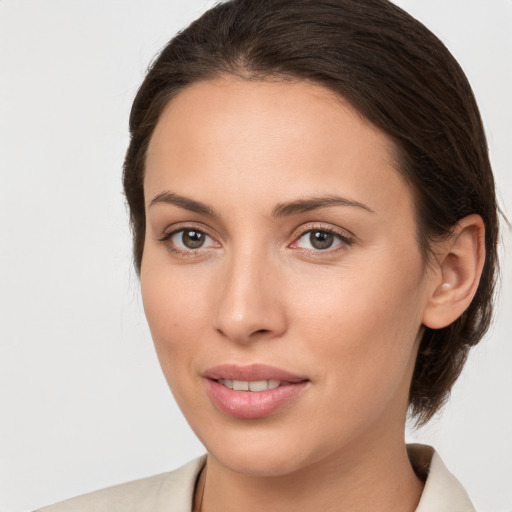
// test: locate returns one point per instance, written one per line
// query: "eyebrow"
(314, 203)
(280, 210)
(183, 202)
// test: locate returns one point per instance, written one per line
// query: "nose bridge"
(249, 302)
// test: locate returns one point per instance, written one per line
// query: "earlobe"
(459, 261)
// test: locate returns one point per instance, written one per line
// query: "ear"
(458, 265)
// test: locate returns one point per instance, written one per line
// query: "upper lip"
(252, 372)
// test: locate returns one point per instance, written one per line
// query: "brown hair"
(398, 75)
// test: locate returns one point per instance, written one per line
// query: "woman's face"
(281, 255)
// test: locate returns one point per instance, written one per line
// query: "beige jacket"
(172, 492)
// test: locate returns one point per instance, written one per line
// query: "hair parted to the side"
(399, 76)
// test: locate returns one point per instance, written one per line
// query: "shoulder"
(442, 491)
(153, 494)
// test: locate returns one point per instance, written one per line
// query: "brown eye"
(189, 241)
(321, 239)
(190, 238)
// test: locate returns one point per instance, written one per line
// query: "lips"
(253, 391)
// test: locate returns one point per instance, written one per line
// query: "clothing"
(173, 492)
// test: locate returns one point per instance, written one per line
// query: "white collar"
(442, 491)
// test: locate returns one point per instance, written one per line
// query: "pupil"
(321, 239)
(193, 239)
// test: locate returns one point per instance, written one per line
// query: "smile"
(246, 385)
(253, 391)
(255, 399)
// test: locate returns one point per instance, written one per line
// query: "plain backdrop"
(83, 403)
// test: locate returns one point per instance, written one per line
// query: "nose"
(250, 305)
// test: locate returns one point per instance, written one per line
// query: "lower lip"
(252, 404)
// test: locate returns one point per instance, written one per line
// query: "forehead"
(267, 139)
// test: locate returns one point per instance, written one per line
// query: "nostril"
(261, 331)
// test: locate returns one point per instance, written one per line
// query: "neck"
(377, 474)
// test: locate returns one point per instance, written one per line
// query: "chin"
(256, 463)
(261, 452)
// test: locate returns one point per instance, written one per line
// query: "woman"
(315, 229)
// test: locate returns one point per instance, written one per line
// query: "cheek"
(174, 297)
(365, 320)
(175, 311)
(176, 306)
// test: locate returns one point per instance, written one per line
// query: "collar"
(442, 491)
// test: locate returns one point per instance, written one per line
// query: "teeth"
(258, 385)
(273, 384)
(245, 385)
(241, 385)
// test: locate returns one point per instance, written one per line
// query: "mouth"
(255, 391)
(252, 385)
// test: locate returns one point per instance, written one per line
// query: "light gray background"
(83, 404)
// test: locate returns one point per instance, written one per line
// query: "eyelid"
(181, 226)
(172, 230)
(346, 236)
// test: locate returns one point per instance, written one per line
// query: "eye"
(320, 240)
(189, 239)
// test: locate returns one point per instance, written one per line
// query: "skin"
(348, 317)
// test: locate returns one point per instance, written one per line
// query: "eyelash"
(166, 240)
(344, 239)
